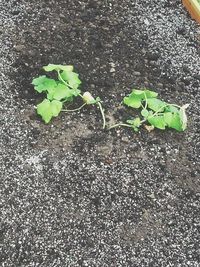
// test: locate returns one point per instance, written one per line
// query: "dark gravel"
(70, 193)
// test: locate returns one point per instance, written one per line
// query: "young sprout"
(155, 112)
(60, 91)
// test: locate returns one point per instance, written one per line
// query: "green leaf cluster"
(58, 91)
(61, 90)
(156, 112)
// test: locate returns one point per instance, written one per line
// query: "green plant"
(154, 111)
(62, 90)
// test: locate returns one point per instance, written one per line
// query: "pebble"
(136, 73)
(19, 48)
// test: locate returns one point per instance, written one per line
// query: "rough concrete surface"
(72, 194)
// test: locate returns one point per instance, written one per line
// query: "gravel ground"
(72, 194)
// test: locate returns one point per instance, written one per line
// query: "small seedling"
(62, 90)
(155, 112)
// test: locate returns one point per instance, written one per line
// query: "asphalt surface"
(72, 194)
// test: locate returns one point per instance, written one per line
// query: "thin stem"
(72, 110)
(103, 115)
(142, 121)
(160, 109)
(146, 101)
(81, 96)
(63, 81)
(174, 105)
(120, 124)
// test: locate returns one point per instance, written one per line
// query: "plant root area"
(71, 193)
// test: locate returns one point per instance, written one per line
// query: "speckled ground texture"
(72, 194)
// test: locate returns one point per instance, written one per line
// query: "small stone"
(146, 21)
(112, 70)
(112, 64)
(62, 16)
(125, 139)
(19, 48)
(136, 73)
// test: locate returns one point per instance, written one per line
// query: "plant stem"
(160, 109)
(103, 115)
(72, 110)
(174, 105)
(81, 96)
(120, 124)
(145, 100)
(63, 81)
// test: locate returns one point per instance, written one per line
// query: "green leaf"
(75, 92)
(39, 80)
(173, 120)
(56, 107)
(51, 67)
(51, 92)
(44, 110)
(150, 94)
(43, 83)
(47, 109)
(171, 108)
(145, 113)
(138, 92)
(71, 78)
(133, 100)
(168, 117)
(135, 123)
(62, 92)
(157, 121)
(156, 104)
